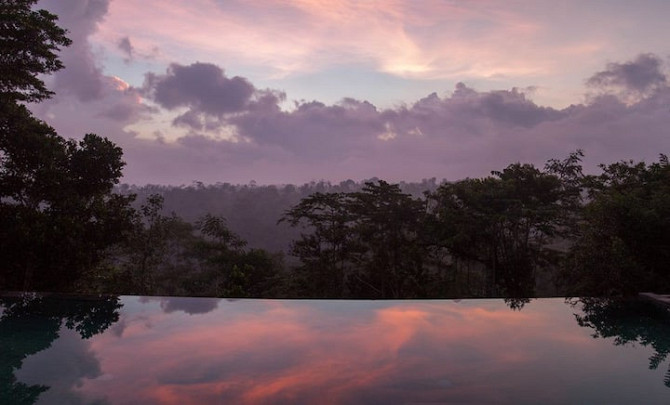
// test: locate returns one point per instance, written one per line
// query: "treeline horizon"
(515, 234)
(523, 231)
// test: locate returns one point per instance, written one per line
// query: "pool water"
(148, 350)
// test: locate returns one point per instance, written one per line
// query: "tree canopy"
(63, 227)
(622, 243)
(30, 41)
(57, 210)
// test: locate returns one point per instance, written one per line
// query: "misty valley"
(519, 233)
(332, 292)
(67, 225)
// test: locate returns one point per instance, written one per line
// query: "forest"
(67, 225)
(518, 233)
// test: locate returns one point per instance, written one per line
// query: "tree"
(366, 244)
(503, 222)
(58, 214)
(326, 251)
(58, 211)
(151, 255)
(393, 257)
(30, 40)
(227, 268)
(165, 255)
(572, 183)
(623, 241)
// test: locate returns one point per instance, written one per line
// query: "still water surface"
(127, 350)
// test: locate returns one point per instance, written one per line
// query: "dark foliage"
(57, 211)
(65, 227)
(628, 322)
(29, 40)
(623, 236)
(30, 324)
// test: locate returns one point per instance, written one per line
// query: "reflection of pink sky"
(293, 352)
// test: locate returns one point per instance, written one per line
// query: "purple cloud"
(450, 135)
(82, 77)
(639, 76)
(123, 104)
(127, 48)
(189, 305)
(313, 129)
(82, 86)
(202, 87)
(189, 119)
(464, 133)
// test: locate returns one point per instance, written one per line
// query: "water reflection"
(188, 305)
(267, 351)
(29, 324)
(516, 303)
(629, 322)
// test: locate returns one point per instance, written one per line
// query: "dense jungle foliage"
(66, 224)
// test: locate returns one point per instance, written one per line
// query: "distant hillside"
(252, 211)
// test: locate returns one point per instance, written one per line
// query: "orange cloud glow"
(297, 353)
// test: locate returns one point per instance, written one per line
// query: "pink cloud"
(430, 40)
(467, 133)
(292, 351)
(226, 129)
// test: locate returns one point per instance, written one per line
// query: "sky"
(281, 92)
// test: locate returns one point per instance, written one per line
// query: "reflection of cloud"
(189, 305)
(119, 327)
(345, 352)
(63, 368)
(328, 352)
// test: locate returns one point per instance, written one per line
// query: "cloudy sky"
(294, 91)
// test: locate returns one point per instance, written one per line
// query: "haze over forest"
(223, 105)
(289, 93)
(529, 228)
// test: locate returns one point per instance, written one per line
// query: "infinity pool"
(141, 350)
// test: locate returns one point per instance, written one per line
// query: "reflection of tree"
(516, 303)
(629, 321)
(29, 324)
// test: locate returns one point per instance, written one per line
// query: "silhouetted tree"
(503, 222)
(362, 244)
(228, 268)
(326, 251)
(57, 210)
(165, 255)
(392, 261)
(30, 40)
(623, 241)
(151, 255)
